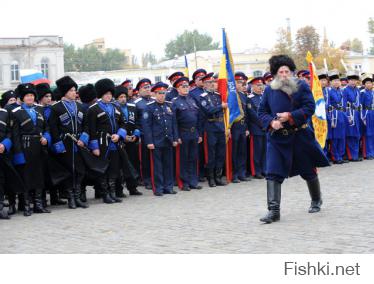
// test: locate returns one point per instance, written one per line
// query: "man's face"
(29, 99)
(343, 83)
(208, 85)
(11, 101)
(258, 87)
(71, 94)
(336, 83)
(284, 73)
(368, 85)
(107, 97)
(122, 99)
(352, 82)
(160, 96)
(324, 82)
(240, 85)
(199, 82)
(183, 89)
(46, 100)
(145, 91)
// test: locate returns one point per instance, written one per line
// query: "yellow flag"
(319, 117)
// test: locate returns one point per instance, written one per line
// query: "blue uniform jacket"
(159, 125)
(211, 105)
(254, 122)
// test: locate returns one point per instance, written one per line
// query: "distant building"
(44, 53)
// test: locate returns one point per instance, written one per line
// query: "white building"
(44, 53)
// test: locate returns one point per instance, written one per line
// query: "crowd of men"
(60, 141)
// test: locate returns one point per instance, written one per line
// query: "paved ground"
(219, 220)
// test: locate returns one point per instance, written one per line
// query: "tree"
(185, 43)
(284, 43)
(371, 33)
(69, 57)
(113, 59)
(148, 58)
(352, 45)
(307, 39)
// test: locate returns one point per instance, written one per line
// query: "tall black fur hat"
(43, 89)
(277, 61)
(24, 89)
(65, 83)
(87, 93)
(103, 86)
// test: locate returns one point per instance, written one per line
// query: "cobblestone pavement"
(218, 220)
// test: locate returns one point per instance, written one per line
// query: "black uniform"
(66, 120)
(104, 120)
(29, 126)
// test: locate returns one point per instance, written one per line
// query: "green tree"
(307, 39)
(113, 59)
(69, 58)
(148, 58)
(352, 45)
(371, 33)
(186, 42)
(284, 43)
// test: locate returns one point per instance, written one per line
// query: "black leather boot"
(21, 202)
(218, 178)
(134, 191)
(71, 199)
(211, 180)
(273, 200)
(119, 189)
(83, 196)
(27, 210)
(3, 213)
(112, 190)
(104, 187)
(315, 195)
(77, 197)
(38, 203)
(12, 204)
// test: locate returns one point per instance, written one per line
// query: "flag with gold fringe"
(319, 117)
(229, 95)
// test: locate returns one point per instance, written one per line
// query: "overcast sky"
(148, 25)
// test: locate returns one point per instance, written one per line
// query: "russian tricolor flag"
(32, 76)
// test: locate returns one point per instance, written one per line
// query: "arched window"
(44, 67)
(14, 71)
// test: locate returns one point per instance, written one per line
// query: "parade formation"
(56, 144)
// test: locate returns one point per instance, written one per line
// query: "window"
(14, 71)
(44, 67)
(257, 73)
(158, 78)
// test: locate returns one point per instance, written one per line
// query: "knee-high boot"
(273, 201)
(315, 195)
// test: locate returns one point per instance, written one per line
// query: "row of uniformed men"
(30, 134)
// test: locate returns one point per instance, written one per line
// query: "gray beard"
(289, 86)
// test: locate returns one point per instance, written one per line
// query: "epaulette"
(137, 100)
(173, 99)
(55, 103)
(251, 96)
(1, 109)
(169, 102)
(92, 105)
(152, 102)
(203, 94)
(39, 105)
(130, 104)
(16, 109)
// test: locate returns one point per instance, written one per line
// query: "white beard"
(289, 86)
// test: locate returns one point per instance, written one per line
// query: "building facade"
(44, 53)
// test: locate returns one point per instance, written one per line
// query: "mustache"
(288, 85)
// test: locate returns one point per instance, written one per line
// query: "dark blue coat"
(297, 153)
(173, 93)
(140, 106)
(254, 122)
(336, 107)
(352, 98)
(195, 94)
(240, 127)
(187, 117)
(159, 125)
(367, 98)
(211, 105)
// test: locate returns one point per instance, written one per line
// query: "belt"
(286, 132)
(31, 136)
(192, 129)
(369, 108)
(331, 108)
(215, 119)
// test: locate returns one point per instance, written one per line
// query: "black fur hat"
(6, 97)
(43, 89)
(120, 90)
(65, 83)
(277, 61)
(103, 86)
(56, 95)
(24, 89)
(87, 93)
